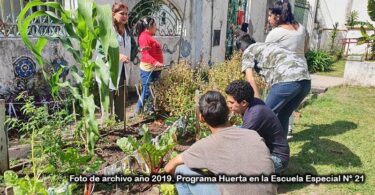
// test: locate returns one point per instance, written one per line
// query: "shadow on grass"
(317, 131)
(320, 151)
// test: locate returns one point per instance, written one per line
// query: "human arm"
(247, 66)
(172, 164)
(193, 157)
(307, 40)
(249, 74)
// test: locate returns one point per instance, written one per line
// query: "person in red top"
(151, 60)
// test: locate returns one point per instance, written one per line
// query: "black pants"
(118, 98)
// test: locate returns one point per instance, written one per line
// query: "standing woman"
(285, 30)
(290, 34)
(128, 51)
(151, 61)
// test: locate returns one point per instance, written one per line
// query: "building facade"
(193, 30)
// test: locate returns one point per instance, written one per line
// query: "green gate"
(301, 10)
(236, 16)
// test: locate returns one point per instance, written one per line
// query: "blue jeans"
(197, 188)
(285, 97)
(147, 77)
(277, 164)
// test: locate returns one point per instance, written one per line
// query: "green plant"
(38, 118)
(352, 19)
(153, 153)
(371, 9)
(50, 154)
(319, 61)
(91, 28)
(175, 91)
(366, 38)
(168, 189)
(333, 36)
(220, 75)
(24, 186)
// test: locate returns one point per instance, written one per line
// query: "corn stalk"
(88, 29)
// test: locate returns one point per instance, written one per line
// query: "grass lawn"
(335, 135)
(338, 69)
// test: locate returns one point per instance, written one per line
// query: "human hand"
(169, 168)
(145, 48)
(124, 58)
(158, 64)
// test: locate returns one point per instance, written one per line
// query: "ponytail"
(143, 24)
(283, 9)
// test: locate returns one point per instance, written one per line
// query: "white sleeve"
(247, 60)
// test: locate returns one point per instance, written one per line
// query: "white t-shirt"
(294, 40)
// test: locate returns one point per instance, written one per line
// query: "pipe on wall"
(212, 30)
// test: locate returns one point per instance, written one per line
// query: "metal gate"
(168, 19)
(9, 10)
(301, 10)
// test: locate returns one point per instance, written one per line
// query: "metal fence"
(167, 17)
(9, 10)
(301, 11)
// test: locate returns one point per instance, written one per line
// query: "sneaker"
(290, 132)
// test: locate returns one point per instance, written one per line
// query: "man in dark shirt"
(228, 150)
(257, 116)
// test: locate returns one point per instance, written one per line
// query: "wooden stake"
(4, 155)
(125, 104)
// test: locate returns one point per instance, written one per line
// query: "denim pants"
(285, 97)
(197, 188)
(277, 162)
(147, 77)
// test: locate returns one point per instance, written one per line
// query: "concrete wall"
(327, 14)
(12, 48)
(361, 7)
(258, 19)
(198, 29)
(332, 11)
(360, 73)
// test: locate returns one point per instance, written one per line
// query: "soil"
(107, 148)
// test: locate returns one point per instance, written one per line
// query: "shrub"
(220, 75)
(319, 61)
(175, 91)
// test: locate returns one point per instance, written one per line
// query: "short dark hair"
(240, 90)
(244, 41)
(214, 109)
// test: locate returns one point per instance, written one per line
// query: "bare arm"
(172, 164)
(251, 79)
(307, 40)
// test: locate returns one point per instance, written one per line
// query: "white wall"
(332, 11)
(258, 18)
(198, 29)
(361, 7)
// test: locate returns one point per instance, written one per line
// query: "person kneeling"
(228, 150)
(259, 117)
